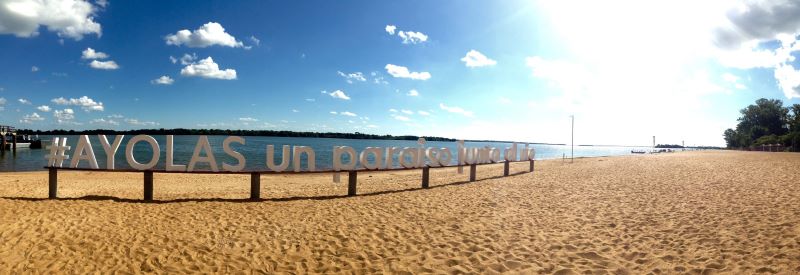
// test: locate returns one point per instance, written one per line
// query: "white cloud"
(295, 111)
(310, 100)
(372, 126)
(734, 80)
(393, 110)
(477, 59)
(104, 65)
(31, 118)
(24, 101)
(64, 115)
(43, 108)
(334, 113)
(136, 122)
(403, 72)
(34, 69)
(67, 18)
(90, 53)
(248, 119)
(163, 80)
(115, 116)
(102, 3)
(187, 59)
(2, 101)
(206, 68)
(400, 118)
(357, 76)
(752, 24)
(390, 29)
(173, 59)
(338, 94)
(86, 103)
(456, 110)
(255, 40)
(345, 113)
(788, 80)
(102, 121)
(423, 113)
(408, 112)
(412, 37)
(413, 92)
(212, 33)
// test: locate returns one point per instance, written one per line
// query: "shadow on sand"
(297, 198)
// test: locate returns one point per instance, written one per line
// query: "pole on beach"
(472, 168)
(255, 185)
(505, 168)
(14, 141)
(426, 177)
(52, 186)
(352, 181)
(572, 146)
(531, 168)
(148, 185)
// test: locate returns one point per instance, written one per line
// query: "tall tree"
(766, 117)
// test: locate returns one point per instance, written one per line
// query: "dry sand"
(698, 212)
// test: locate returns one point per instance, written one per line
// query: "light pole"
(572, 146)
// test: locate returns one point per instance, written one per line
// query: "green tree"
(765, 122)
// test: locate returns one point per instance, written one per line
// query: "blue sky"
(511, 70)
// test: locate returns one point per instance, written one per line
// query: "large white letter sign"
(226, 146)
(376, 152)
(202, 145)
(390, 157)
(296, 153)
(408, 163)
(271, 158)
(110, 149)
(337, 158)
(129, 152)
(84, 146)
(461, 155)
(171, 158)
(444, 161)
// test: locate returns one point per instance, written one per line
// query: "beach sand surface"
(685, 212)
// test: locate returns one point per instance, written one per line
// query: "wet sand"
(686, 212)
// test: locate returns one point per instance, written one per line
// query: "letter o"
(129, 152)
(444, 156)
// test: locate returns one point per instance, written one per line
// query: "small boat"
(23, 141)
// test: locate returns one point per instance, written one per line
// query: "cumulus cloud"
(104, 65)
(455, 110)
(210, 34)
(410, 37)
(206, 68)
(187, 59)
(136, 122)
(67, 18)
(752, 24)
(31, 118)
(338, 94)
(403, 72)
(390, 29)
(345, 113)
(408, 112)
(90, 53)
(103, 121)
(413, 92)
(477, 59)
(163, 80)
(86, 103)
(350, 77)
(248, 119)
(43, 108)
(64, 115)
(423, 113)
(34, 69)
(24, 101)
(400, 118)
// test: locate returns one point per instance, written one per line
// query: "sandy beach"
(686, 212)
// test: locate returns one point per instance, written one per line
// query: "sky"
(501, 70)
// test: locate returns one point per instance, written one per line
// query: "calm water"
(255, 151)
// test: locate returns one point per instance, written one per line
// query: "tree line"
(181, 131)
(766, 122)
